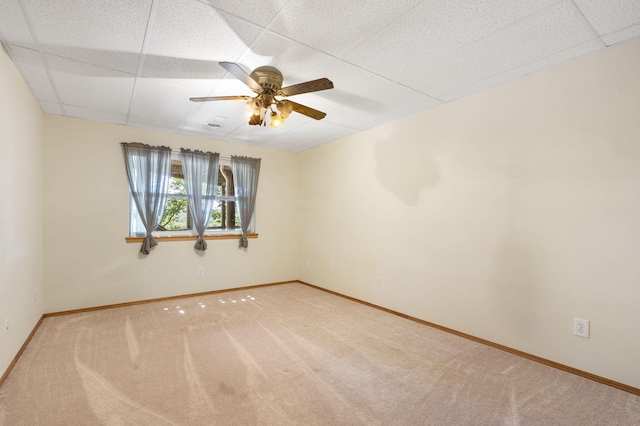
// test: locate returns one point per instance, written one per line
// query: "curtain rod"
(222, 156)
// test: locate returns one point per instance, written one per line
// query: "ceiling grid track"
(143, 52)
(43, 56)
(586, 22)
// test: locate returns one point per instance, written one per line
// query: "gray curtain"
(201, 178)
(245, 177)
(149, 172)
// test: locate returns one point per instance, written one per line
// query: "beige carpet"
(280, 355)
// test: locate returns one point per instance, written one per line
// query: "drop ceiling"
(137, 63)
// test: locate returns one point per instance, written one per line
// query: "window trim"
(165, 238)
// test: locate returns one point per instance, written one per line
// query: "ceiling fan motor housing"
(269, 78)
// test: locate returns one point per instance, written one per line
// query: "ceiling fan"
(266, 81)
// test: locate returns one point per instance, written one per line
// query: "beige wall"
(21, 147)
(503, 215)
(87, 262)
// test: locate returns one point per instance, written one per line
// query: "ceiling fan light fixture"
(266, 81)
(285, 108)
(254, 105)
(276, 120)
(255, 120)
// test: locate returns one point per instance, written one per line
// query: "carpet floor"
(285, 355)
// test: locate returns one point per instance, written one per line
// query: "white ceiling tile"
(105, 33)
(199, 129)
(272, 49)
(358, 112)
(255, 135)
(545, 33)
(164, 100)
(318, 142)
(51, 108)
(620, 36)
(91, 87)
(261, 134)
(387, 102)
(233, 113)
(433, 31)
(308, 132)
(32, 67)
(295, 120)
(396, 115)
(190, 37)
(228, 86)
(14, 28)
(299, 63)
(349, 83)
(529, 68)
(156, 66)
(608, 17)
(336, 26)
(407, 109)
(152, 125)
(281, 146)
(257, 11)
(93, 115)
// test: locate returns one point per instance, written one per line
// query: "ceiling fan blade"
(235, 70)
(219, 98)
(309, 112)
(306, 87)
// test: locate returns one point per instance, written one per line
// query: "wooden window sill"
(191, 238)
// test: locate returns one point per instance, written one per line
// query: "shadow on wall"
(405, 163)
(513, 287)
(513, 282)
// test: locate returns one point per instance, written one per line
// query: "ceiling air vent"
(212, 125)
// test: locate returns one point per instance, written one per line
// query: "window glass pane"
(224, 216)
(177, 216)
(136, 227)
(177, 185)
(225, 182)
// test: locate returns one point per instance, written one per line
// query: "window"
(176, 219)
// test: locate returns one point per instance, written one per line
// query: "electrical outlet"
(377, 281)
(200, 272)
(581, 327)
(308, 265)
(35, 295)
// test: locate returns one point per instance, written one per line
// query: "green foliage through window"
(177, 216)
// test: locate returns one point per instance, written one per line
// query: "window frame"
(186, 234)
